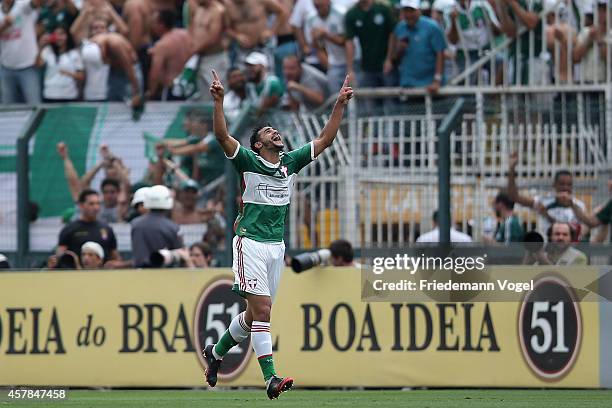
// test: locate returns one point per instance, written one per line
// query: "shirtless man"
(168, 55)
(96, 10)
(286, 43)
(137, 14)
(207, 33)
(248, 24)
(119, 54)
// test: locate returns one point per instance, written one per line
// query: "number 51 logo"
(550, 328)
(216, 308)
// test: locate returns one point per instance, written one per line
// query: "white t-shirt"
(559, 213)
(334, 24)
(58, 85)
(434, 236)
(96, 72)
(18, 46)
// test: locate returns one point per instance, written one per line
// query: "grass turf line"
(349, 399)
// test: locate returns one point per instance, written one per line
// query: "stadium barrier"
(142, 328)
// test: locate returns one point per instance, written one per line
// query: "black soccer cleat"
(276, 385)
(213, 365)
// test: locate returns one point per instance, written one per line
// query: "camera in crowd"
(168, 258)
(308, 260)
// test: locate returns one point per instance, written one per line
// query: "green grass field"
(319, 399)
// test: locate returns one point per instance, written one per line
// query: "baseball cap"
(189, 184)
(257, 58)
(93, 247)
(415, 4)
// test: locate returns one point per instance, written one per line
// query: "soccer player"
(267, 174)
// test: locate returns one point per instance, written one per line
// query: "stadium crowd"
(285, 53)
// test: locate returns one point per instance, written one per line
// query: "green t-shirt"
(270, 86)
(605, 214)
(510, 230)
(266, 191)
(534, 6)
(373, 28)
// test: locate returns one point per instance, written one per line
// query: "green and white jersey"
(266, 191)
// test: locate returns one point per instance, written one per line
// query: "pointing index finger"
(346, 82)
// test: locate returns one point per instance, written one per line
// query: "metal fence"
(379, 186)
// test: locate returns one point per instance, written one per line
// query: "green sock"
(225, 344)
(267, 367)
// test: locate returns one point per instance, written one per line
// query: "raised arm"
(512, 189)
(227, 142)
(328, 134)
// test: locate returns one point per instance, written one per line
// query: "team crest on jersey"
(103, 234)
(252, 283)
(283, 170)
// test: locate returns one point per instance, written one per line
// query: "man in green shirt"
(372, 23)
(267, 174)
(512, 15)
(509, 228)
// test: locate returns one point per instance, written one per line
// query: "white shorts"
(257, 266)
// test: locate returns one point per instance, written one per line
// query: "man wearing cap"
(154, 230)
(418, 43)
(266, 87)
(92, 255)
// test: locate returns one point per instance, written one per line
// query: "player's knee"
(261, 311)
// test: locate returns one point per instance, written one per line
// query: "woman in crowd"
(63, 66)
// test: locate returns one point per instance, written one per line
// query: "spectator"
(326, 28)
(97, 10)
(418, 43)
(434, 234)
(248, 26)
(92, 255)
(557, 207)
(63, 66)
(306, 86)
(207, 30)
(88, 228)
(56, 13)
(559, 250)
(509, 228)
(342, 253)
(96, 65)
(469, 26)
(515, 13)
(168, 55)
(301, 12)
(114, 187)
(372, 23)
(286, 43)
(268, 87)
(202, 156)
(18, 50)
(559, 35)
(201, 255)
(185, 210)
(141, 29)
(154, 231)
(237, 97)
(590, 50)
(110, 210)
